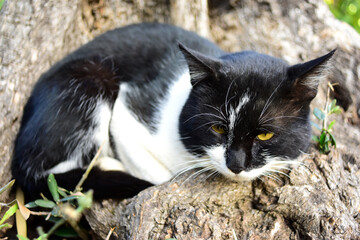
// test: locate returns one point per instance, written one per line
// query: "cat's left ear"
(306, 76)
(201, 67)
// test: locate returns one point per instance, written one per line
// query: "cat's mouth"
(276, 166)
(273, 165)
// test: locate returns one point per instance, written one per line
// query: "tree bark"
(320, 200)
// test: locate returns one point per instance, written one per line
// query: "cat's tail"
(106, 184)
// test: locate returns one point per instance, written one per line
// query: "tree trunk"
(320, 200)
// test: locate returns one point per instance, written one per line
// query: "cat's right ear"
(201, 67)
(306, 76)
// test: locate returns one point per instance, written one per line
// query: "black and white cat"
(162, 100)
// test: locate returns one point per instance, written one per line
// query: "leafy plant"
(64, 207)
(326, 138)
(13, 206)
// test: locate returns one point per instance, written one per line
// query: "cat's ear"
(200, 66)
(306, 76)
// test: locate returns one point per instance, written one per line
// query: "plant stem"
(324, 126)
(91, 165)
(56, 226)
(77, 229)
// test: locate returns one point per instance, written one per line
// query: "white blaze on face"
(234, 112)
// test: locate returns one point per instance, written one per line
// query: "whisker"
(282, 168)
(227, 95)
(259, 177)
(203, 114)
(194, 164)
(192, 161)
(197, 173)
(273, 177)
(272, 126)
(213, 174)
(227, 104)
(279, 117)
(268, 102)
(216, 109)
(212, 122)
(280, 172)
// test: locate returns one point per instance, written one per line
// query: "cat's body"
(131, 91)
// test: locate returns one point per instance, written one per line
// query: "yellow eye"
(265, 136)
(218, 129)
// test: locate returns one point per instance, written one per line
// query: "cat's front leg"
(135, 145)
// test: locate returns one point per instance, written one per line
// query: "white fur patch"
(110, 164)
(234, 113)
(218, 159)
(146, 156)
(167, 138)
(273, 165)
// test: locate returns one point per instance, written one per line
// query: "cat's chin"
(244, 175)
(272, 167)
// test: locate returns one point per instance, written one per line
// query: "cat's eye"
(265, 136)
(218, 129)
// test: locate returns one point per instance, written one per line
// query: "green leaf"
(5, 225)
(333, 142)
(315, 138)
(43, 237)
(71, 197)
(66, 232)
(327, 138)
(11, 211)
(331, 124)
(45, 203)
(22, 237)
(331, 105)
(31, 205)
(322, 138)
(326, 148)
(53, 187)
(62, 192)
(315, 125)
(319, 114)
(54, 219)
(7, 186)
(336, 110)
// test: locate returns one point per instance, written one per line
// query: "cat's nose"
(235, 169)
(235, 160)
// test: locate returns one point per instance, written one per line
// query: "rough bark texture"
(320, 200)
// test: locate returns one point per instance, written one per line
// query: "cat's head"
(248, 113)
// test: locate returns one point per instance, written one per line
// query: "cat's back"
(141, 51)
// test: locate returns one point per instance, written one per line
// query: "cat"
(161, 101)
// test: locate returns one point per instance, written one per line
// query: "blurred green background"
(1, 3)
(347, 11)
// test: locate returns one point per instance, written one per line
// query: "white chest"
(155, 157)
